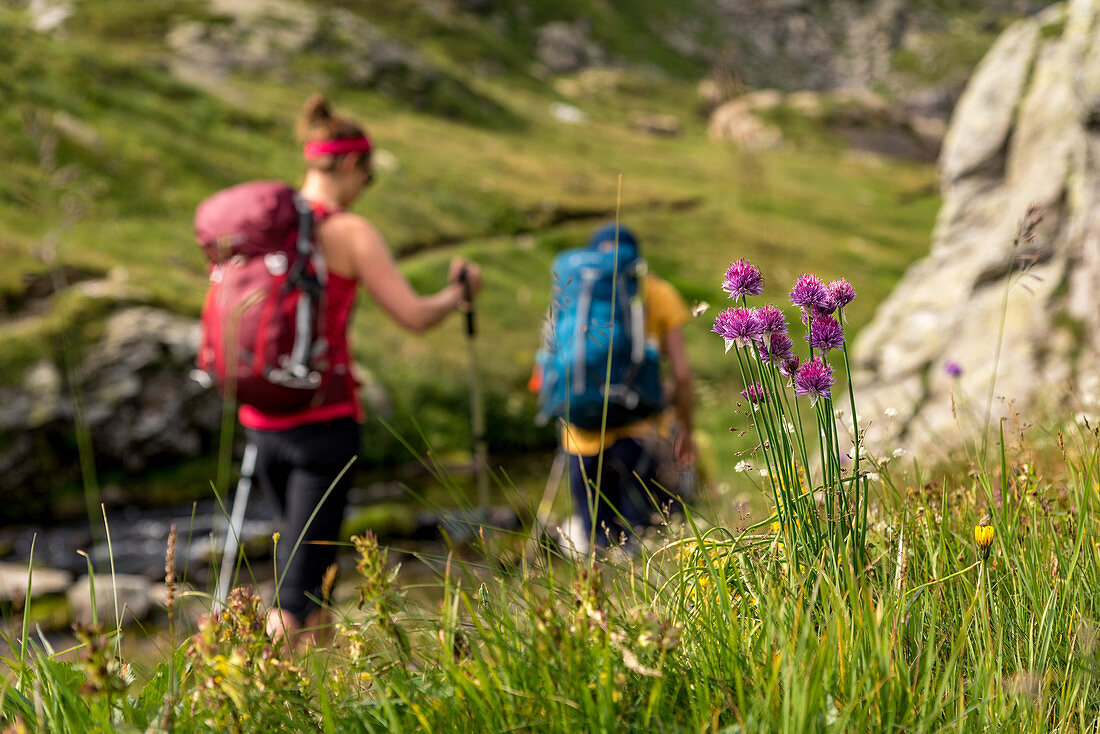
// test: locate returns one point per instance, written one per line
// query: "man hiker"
(304, 450)
(606, 307)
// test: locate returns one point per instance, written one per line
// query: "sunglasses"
(365, 168)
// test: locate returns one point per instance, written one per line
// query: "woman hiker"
(300, 455)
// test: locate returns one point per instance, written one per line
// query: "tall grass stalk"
(1025, 235)
(595, 496)
(61, 200)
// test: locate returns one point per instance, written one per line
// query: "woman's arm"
(353, 245)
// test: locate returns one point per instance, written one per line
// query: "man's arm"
(683, 400)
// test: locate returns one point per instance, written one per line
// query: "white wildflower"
(899, 452)
(764, 472)
(742, 466)
(890, 412)
(873, 476)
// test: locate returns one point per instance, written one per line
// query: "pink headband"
(339, 146)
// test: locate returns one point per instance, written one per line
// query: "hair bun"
(315, 119)
(316, 108)
(319, 122)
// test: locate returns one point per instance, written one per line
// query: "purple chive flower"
(810, 292)
(825, 332)
(841, 292)
(755, 393)
(772, 320)
(789, 367)
(953, 368)
(722, 323)
(776, 349)
(738, 325)
(814, 379)
(743, 279)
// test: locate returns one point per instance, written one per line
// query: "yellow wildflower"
(983, 538)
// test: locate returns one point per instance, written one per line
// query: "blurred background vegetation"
(120, 117)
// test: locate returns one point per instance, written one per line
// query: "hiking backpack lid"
(261, 320)
(249, 219)
(597, 309)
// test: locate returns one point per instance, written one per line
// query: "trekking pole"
(553, 483)
(477, 409)
(236, 523)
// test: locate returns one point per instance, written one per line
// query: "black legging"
(296, 467)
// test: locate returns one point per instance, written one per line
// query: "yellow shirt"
(665, 310)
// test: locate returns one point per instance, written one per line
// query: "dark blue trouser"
(620, 491)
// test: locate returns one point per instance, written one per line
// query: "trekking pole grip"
(468, 300)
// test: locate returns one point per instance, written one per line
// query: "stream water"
(410, 508)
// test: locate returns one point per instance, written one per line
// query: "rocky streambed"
(124, 559)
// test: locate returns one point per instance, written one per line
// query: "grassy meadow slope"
(136, 149)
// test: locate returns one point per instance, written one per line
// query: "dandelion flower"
(983, 538)
(814, 379)
(743, 279)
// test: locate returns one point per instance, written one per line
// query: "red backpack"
(262, 316)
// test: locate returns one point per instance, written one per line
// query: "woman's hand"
(464, 270)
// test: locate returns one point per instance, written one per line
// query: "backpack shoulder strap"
(304, 248)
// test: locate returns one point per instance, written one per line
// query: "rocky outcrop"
(802, 44)
(137, 399)
(808, 44)
(867, 121)
(737, 121)
(562, 47)
(138, 403)
(917, 53)
(981, 326)
(299, 41)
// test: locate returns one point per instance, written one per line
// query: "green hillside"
(108, 151)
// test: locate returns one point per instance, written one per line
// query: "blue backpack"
(585, 324)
